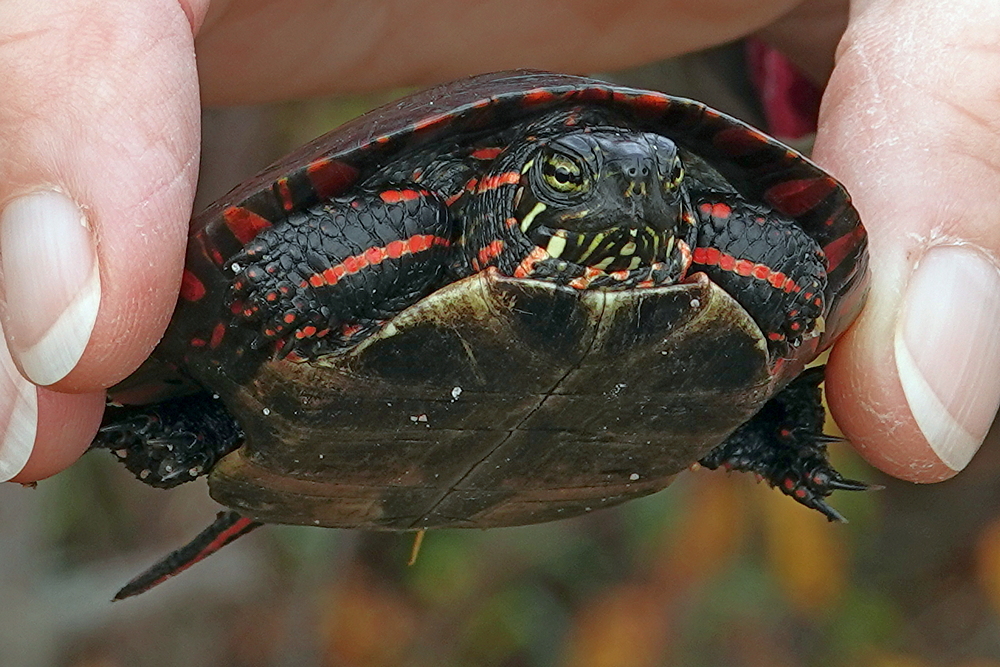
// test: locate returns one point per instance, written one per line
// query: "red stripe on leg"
(374, 256)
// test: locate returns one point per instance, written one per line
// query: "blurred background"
(716, 570)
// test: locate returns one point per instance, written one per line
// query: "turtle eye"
(562, 173)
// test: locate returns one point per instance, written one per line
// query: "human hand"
(105, 111)
(911, 124)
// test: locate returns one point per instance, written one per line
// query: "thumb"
(98, 159)
(911, 124)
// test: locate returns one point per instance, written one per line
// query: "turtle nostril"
(636, 168)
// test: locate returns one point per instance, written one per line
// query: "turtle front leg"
(784, 444)
(767, 263)
(327, 276)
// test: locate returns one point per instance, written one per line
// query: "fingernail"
(51, 283)
(946, 350)
(19, 398)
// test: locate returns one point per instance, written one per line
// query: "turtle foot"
(172, 442)
(784, 444)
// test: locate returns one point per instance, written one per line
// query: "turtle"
(504, 300)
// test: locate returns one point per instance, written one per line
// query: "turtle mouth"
(617, 249)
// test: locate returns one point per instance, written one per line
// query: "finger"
(98, 159)
(910, 123)
(266, 50)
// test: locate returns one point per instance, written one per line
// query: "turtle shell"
(498, 401)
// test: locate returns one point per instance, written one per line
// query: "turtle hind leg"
(784, 444)
(168, 443)
(227, 527)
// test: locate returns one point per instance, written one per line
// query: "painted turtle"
(504, 300)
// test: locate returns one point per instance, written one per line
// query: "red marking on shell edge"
(285, 194)
(646, 103)
(218, 333)
(537, 96)
(738, 141)
(244, 223)
(798, 196)
(596, 94)
(330, 177)
(839, 248)
(192, 289)
(432, 121)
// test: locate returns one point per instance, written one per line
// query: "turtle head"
(611, 199)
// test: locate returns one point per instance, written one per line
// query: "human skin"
(99, 139)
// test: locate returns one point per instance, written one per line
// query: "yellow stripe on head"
(530, 217)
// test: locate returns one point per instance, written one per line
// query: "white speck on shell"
(634, 477)
(266, 411)
(455, 393)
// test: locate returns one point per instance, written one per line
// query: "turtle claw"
(813, 488)
(832, 515)
(842, 484)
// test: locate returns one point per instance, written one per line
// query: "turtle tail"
(227, 527)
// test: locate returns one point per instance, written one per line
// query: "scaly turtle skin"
(504, 300)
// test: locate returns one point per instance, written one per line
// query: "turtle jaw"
(616, 249)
